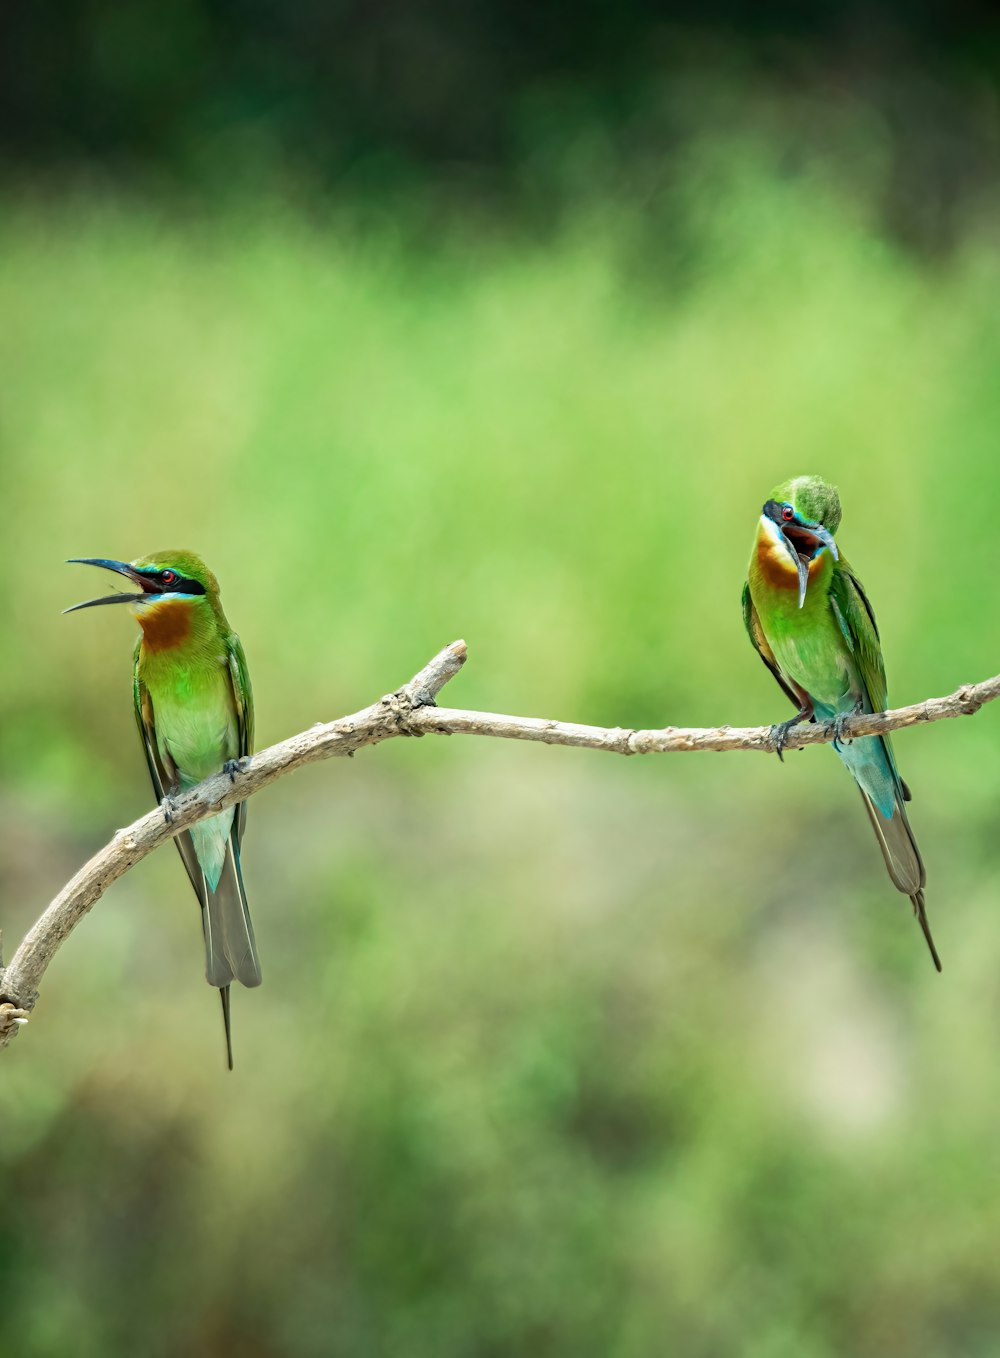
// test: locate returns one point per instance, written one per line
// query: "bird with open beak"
(812, 625)
(194, 709)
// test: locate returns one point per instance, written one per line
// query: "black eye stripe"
(185, 585)
(181, 584)
(781, 513)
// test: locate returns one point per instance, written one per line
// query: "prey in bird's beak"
(146, 585)
(802, 539)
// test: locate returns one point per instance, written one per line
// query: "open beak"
(817, 531)
(803, 541)
(123, 568)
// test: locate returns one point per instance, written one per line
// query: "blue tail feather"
(870, 764)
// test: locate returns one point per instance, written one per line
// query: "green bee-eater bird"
(814, 629)
(194, 709)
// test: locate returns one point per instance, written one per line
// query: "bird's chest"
(807, 647)
(196, 727)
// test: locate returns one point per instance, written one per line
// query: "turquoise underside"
(866, 758)
(211, 838)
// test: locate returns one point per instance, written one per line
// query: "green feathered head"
(799, 520)
(812, 498)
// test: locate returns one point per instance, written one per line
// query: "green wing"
(756, 634)
(243, 700)
(163, 778)
(856, 618)
(857, 623)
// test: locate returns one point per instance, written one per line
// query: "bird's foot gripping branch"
(410, 711)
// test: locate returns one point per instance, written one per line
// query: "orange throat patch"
(776, 566)
(165, 624)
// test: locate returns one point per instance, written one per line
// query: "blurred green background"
(556, 1054)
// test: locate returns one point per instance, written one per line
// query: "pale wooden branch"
(410, 711)
(387, 718)
(449, 721)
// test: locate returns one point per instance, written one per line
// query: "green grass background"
(556, 1053)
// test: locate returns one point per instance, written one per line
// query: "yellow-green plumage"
(812, 625)
(194, 710)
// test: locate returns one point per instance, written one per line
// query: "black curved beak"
(122, 568)
(818, 531)
(798, 534)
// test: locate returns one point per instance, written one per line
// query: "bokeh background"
(500, 322)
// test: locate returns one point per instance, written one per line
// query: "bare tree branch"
(383, 720)
(408, 712)
(449, 721)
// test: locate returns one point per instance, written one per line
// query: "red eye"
(788, 513)
(168, 577)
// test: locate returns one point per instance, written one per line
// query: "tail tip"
(224, 997)
(925, 928)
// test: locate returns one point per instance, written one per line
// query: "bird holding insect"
(813, 626)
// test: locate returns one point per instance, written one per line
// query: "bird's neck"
(773, 568)
(773, 577)
(178, 631)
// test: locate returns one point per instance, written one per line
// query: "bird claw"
(839, 724)
(233, 767)
(169, 808)
(782, 729)
(779, 736)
